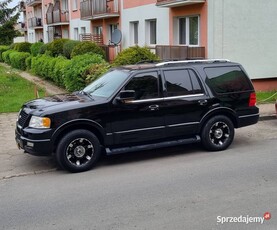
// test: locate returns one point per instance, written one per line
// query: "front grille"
(23, 116)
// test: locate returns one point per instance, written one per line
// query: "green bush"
(56, 47)
(60, 67)
(68, 47)
(28, 62)
(134, 55)
(75, 74)
(6, 56)
(35, 48)
(23, 47)
(40, 65)
(95, 71)
(44, 48)
(87, 47)
(12, 46)
(17, 59)
(3, 49)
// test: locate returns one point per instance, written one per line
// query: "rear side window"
(227, 79)
(182, 82)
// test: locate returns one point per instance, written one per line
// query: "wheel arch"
(219, 111)
(91, 126)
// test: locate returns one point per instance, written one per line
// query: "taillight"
(252, 99)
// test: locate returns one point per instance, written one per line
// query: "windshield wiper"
(86, 93)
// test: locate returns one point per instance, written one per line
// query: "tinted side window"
(145, 86)
(197, 88)
(227, 79)
(182, 82)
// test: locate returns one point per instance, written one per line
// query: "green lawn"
(14, 91)
(266, 97)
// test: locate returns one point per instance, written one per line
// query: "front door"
(140, 119)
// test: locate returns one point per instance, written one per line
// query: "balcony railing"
(96, 9)
(176, 3)
(34, 22)
(33, 2)
(178, 52)
(57, 17)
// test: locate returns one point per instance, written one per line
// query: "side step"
(112, 151)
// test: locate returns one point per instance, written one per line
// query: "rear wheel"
(218, 133)
(78, 151)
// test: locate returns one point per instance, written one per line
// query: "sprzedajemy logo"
(243, 219)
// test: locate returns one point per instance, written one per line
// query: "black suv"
(140, 107)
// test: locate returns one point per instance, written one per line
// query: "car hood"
(60, 102)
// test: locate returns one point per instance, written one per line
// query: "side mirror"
(126, 95)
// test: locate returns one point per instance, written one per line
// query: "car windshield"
(106, 85)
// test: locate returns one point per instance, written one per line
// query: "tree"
(8, 18)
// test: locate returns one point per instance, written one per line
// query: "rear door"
(185, 101)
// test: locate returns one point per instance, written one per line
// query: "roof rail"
(192, 61)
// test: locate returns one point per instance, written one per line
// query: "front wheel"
(218, 133)
(78, 151)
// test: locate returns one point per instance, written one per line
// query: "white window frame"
(134, 32)
(76, 33)
(74, 5)
(148, 31)
(187, 18)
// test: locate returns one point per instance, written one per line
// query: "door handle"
(153, 107)
(202, 102)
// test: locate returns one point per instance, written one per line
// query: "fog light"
(30, 144)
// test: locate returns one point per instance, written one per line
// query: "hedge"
(17, 59)
(75, 75)
(23, 47)
(87, 47)
(6, 56)
(68, 47)
(56, 47)
(35, 48)
(3, 49)
(134, 55)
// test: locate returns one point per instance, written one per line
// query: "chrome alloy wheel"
(80, 151)
(219, 133)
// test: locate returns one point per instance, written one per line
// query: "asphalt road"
(173, 188)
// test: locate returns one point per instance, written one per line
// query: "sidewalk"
(13, 163)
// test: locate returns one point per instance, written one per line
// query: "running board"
(152, 146)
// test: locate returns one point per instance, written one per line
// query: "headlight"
(40, 122)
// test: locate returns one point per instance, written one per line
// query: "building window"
(98, 30)
(74, 5)
(134, 32)
(76, 34)
(83, 30)
(151, 31)
(189, 30)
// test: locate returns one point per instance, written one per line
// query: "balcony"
(99, 9)
(177, 3)
(33, 2)
(57, 18)
(35, 23)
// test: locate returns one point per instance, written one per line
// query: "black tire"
(78, 151)
(217, 133)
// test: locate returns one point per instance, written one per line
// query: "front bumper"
(34, 146)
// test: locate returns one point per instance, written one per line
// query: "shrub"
(68, 47)
(40, 65)
(23, 47)
(75, 75)
(60, 67)
(134, 55)
(3, 49)
(17, 59)
(28, 62)
(95, 71)
(35, 48)
(44, 48)
(56, 47)
(87, 47)
(6, 56)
